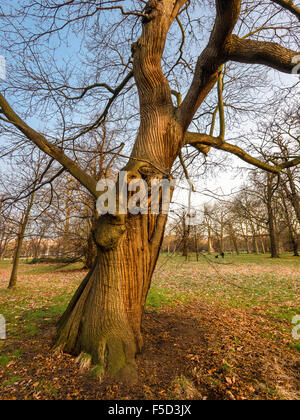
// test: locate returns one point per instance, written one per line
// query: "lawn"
(214, 328)
(247, 281)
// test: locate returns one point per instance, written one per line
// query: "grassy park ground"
(214, 329)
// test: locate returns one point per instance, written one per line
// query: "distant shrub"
(53, 260)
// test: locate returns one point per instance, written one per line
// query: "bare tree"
(104, 317)
(21, 234)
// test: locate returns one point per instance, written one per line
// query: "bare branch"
(270, 54)
(197, 140)
(206, 72)
(115, 91)
(221, 105)
(289, 5)
(48, 148)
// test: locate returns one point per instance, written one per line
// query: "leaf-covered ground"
(213, 330)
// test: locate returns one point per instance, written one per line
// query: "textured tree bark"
(103, 320)
(90, 253)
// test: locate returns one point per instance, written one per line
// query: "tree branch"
(115, 91)
(197, 140)
(50, 149)
(221, 105)
(270, 54)
(206, 72)
(289, 5)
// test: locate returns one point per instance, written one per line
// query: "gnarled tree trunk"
(104, 317)
(103, 320)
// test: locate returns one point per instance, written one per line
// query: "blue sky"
(71, 53)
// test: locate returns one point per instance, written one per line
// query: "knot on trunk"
(108, 231)
(151, 9)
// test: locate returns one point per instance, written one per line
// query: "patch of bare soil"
(195, 351)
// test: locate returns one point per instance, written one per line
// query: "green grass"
(259, 259)
(266, 287)
(10, 381)
(26, 267)
(4, 360)
(5, 264)
(159, 297)
(237, 281)
(295, 345)
(51, 268)
(257, 283)
(42, 294)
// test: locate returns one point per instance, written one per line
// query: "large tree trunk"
(103, 320)
(104, 317)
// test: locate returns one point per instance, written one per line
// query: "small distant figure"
(221, 255)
